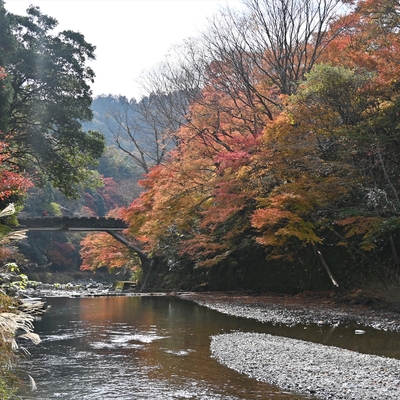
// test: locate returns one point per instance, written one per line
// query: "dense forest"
(284, 175)
(263, 157)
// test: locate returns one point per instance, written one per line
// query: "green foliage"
(8, 381)
(337, 88)
(50, 98)
(4, 229)
(113, 163)
(54, 209)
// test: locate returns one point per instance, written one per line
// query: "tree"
(298, 160)
(13, 184)
(264, 51)
(13, 188)
(48, 97)
(289, 37)
(369, 46)
(139, 130)
(174, 84)
(195, 203)
(199, 202)
(100, 249)
(247, 59)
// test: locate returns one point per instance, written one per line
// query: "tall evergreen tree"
(46, 97)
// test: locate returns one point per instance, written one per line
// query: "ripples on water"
(151, 348)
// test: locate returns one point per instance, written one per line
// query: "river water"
(154, 347)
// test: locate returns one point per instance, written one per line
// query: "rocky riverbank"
(325, 372)
(311, 369)
(79, 288)
(83, 288)
(306, 308)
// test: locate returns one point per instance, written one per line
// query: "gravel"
(294, 314)
(324, 371)
(311, 369)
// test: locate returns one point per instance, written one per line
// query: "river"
(155, 347)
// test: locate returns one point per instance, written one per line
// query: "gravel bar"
(326, 372)
(310, 369)
(265, 309)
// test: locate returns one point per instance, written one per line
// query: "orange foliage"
(100, 249)
(201, 186)
(369, 40)
(277, 178)
(366, 227)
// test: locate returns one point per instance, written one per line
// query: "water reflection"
(135, 348)
(155, 348)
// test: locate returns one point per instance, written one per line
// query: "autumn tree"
(192, 202)
(296, 158)
(335, 149)
(100, 249)
(248, 59)
(198, 203)
(369, 46)
(13, 188)
(264, 50)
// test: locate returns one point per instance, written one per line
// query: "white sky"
(130, 35)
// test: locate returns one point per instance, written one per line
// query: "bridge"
(71, 224)
(112, 226)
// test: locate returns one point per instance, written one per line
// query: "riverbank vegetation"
(8, 382)
(268, 150)
(45, 97)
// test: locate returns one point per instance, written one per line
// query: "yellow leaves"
(280, 128)
(366, 227)
(294, 202)
(244, 172)
(359, 225)
(278, 225)
(281, 237)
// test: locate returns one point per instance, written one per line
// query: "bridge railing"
(72, 223)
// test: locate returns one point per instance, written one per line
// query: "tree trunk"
(327, 269)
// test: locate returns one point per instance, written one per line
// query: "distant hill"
(103, 106)
(141, 130)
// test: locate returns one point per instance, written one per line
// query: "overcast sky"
(130, 35)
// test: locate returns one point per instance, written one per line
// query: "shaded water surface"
(153, 347)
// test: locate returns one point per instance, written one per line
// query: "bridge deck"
(71, 224)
